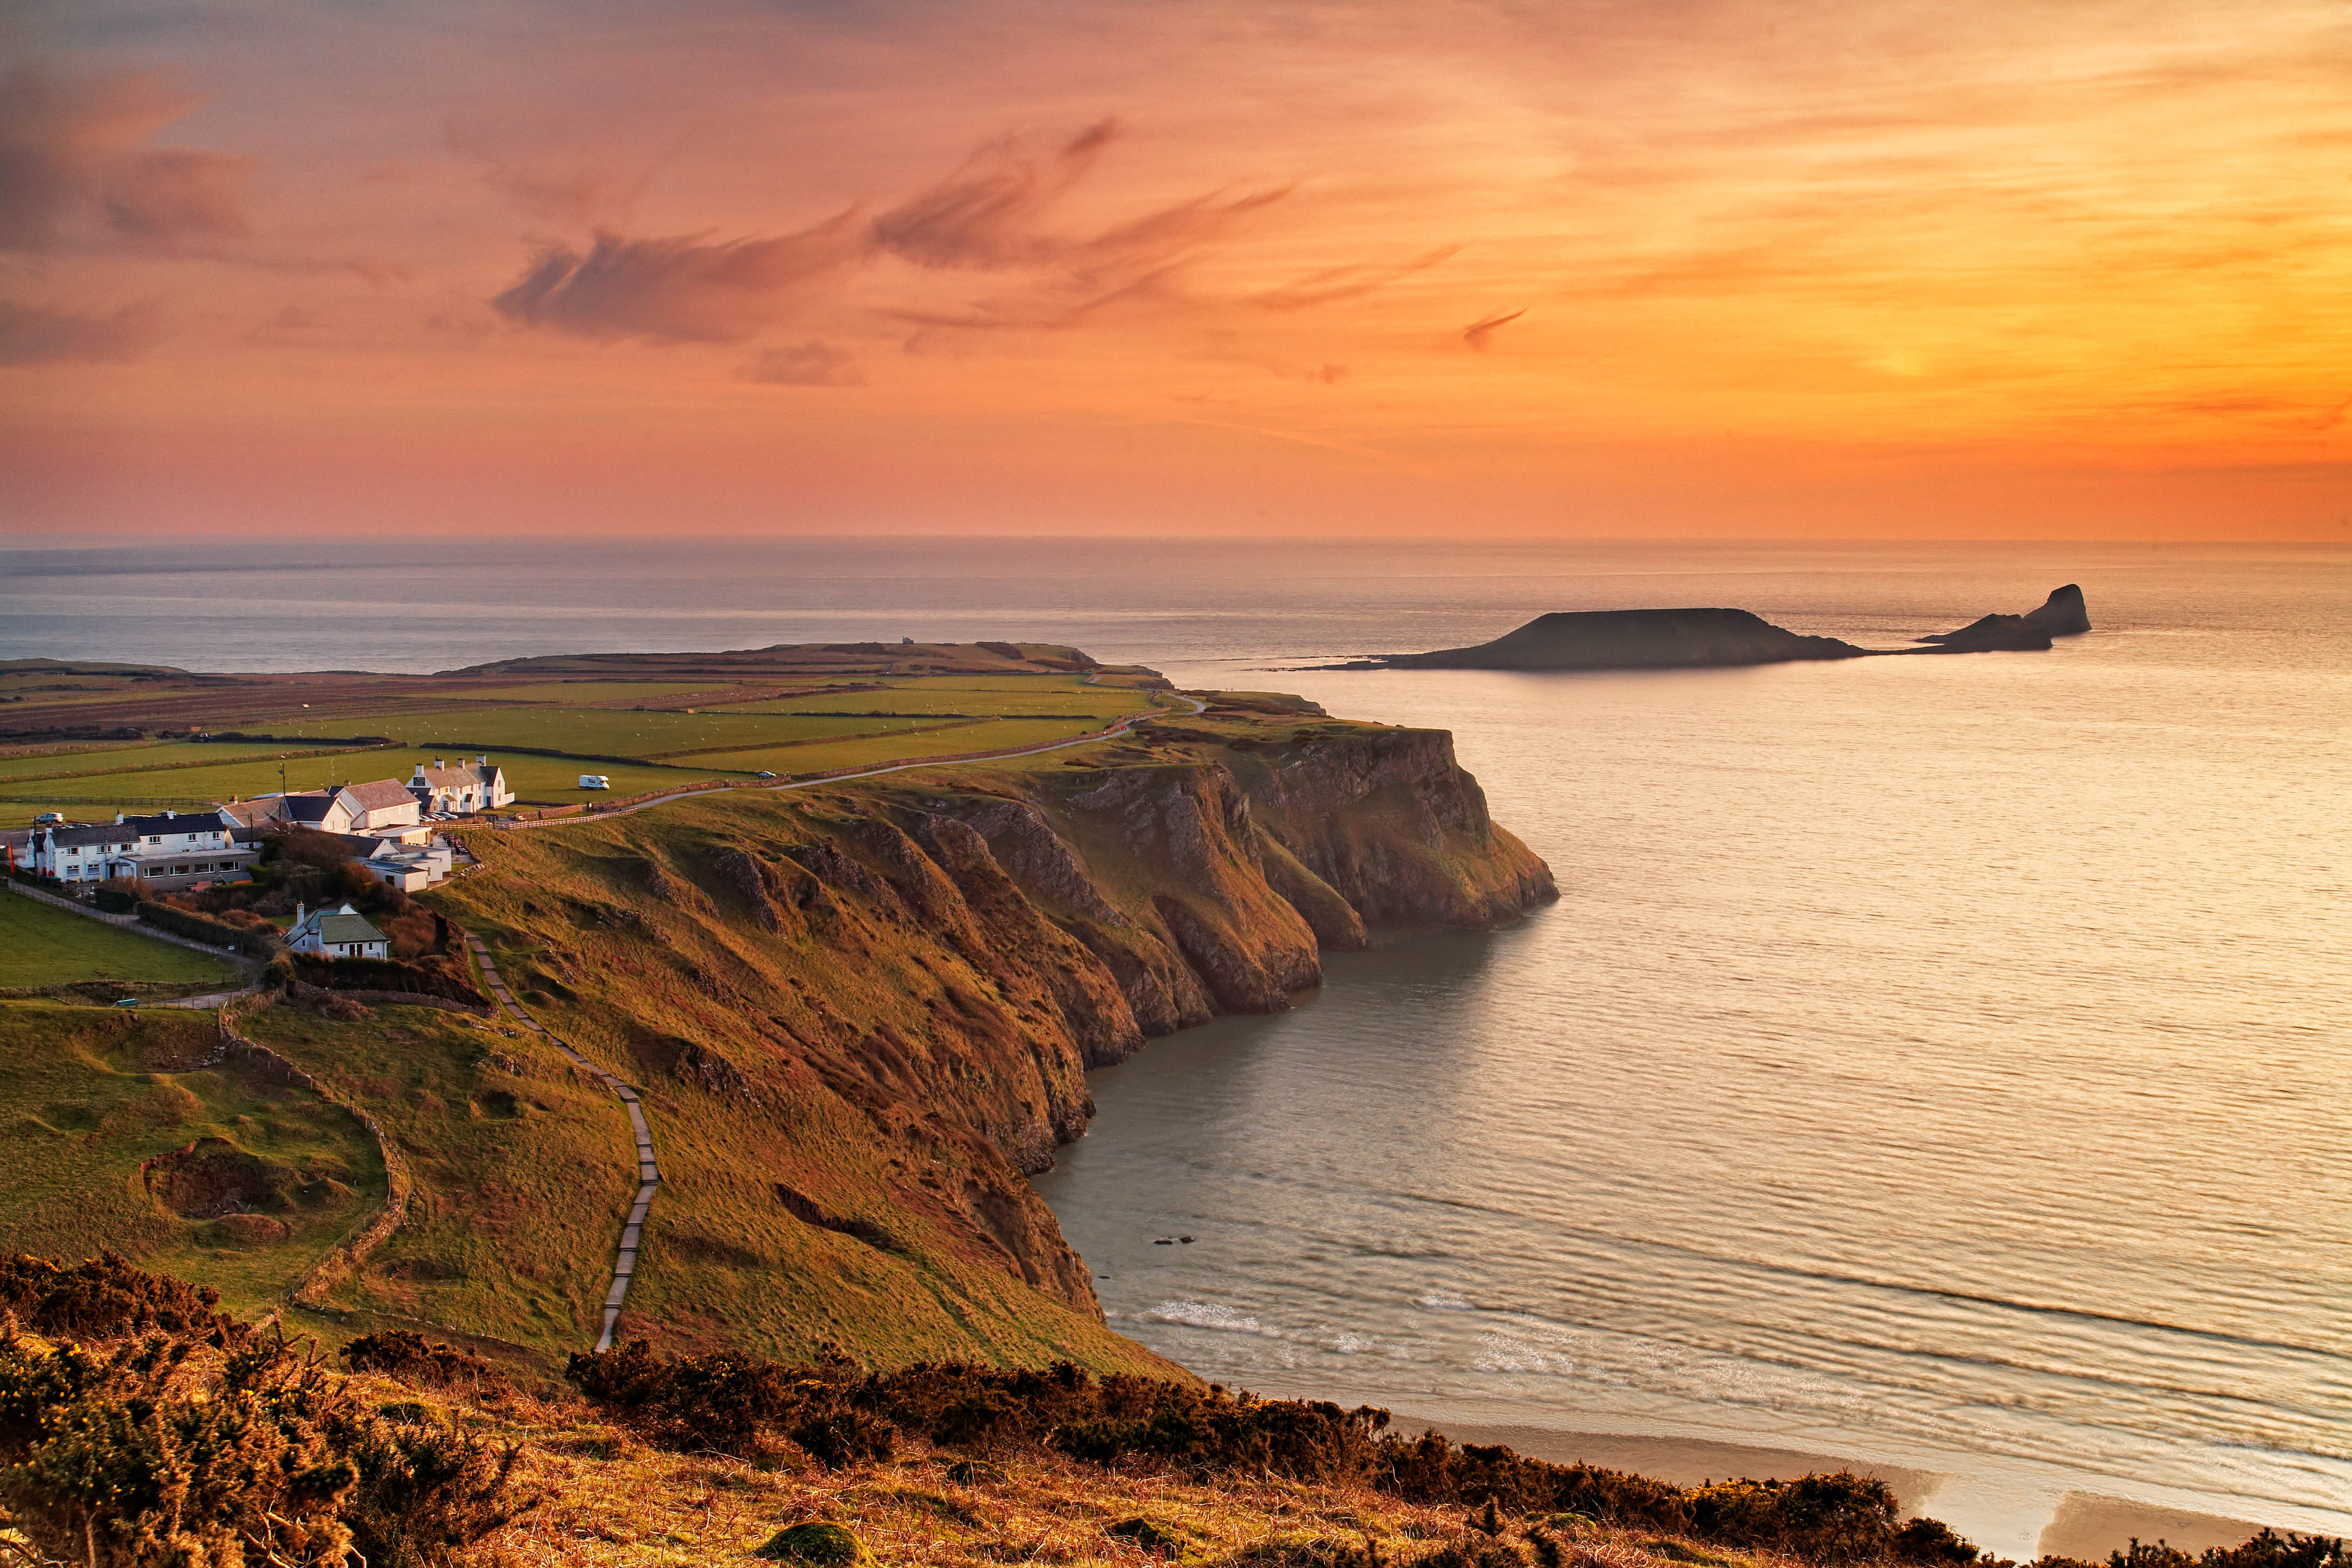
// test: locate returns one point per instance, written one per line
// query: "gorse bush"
(397, 1353)
(104, 1298)
(839, 1415)
(191, 1440)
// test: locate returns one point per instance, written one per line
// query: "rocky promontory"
(1716, 639)
(860, 1014)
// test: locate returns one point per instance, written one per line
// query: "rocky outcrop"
(2063, 613)
(1697, 639)
(1629, 639)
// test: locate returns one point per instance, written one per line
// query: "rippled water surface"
(1934, 1059)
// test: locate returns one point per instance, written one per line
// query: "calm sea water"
(1935, 1060)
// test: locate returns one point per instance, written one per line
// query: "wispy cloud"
(75, 166)
(1479, 333)
(32, 335)
(682, 289)
(812, 364)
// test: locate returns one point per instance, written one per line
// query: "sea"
(1941, 1062)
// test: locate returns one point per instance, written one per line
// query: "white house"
(336, 933)
(411, 867)
(441, 788)
(381, 808)
(168, 852)
(384, 803)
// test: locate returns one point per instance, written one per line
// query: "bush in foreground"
(190, 1440)
(839, 1415)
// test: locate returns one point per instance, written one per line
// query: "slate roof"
(336, 926)
(378, 794)
(310, 805)
(81, 835)
(182, 822)
(452, 778)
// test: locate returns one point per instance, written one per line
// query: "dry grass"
(613, 1503)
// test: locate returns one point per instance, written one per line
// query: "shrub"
(139, 1457)
(262, 942)
(397, 1353)
(104, 1298)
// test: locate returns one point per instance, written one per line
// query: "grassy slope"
(87, 1093)
(523, 1171)
(725, 1259)
(41, 945)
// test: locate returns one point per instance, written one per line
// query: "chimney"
(170, 814)
(298, 915)
(483, 761)
(437, 763)
(118, 819)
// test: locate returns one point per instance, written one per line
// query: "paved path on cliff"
(624, 1263)
(1115, 731)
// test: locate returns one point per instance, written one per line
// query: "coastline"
(2009, 1513)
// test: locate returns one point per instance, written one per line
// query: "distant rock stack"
(2061, 615)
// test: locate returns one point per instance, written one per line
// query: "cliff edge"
(860, 1014)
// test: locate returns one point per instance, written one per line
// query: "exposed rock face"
(1630, 640)
(888, 997)
(2063, 613)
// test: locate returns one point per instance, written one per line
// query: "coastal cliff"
(860, 1014)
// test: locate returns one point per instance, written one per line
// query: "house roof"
(79, 835)
(309, 806)
(337, 927)
(460, 778)
(378, 794)
(179, 822)
(249, 812)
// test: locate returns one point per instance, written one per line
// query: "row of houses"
(382, 823)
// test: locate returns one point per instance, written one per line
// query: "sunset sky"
(1812, 268)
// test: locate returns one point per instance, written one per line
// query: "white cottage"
(174, 850)
(444, 789)
(336, 933)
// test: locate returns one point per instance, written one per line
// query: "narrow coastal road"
(625, 1262)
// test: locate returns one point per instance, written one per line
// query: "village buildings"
(167, 852)
(479, 787)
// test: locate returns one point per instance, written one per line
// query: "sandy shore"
(2027, 1522)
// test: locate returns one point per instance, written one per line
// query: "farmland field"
(968, 694)
(150, 757)
(608, 732)
(97, 796)
(878, 750)
(42, 945)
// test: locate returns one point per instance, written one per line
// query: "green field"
(148, 758)
(877, 751)
(1004, 694)
(41, 944)
(89, 798)
(87, 1094)
(931, 716)
(607, 732)
(575, 692)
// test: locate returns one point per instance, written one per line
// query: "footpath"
(624, 1263)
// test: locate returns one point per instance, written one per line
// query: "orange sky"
(1844, 268)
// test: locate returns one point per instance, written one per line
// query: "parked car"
(766, 775)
